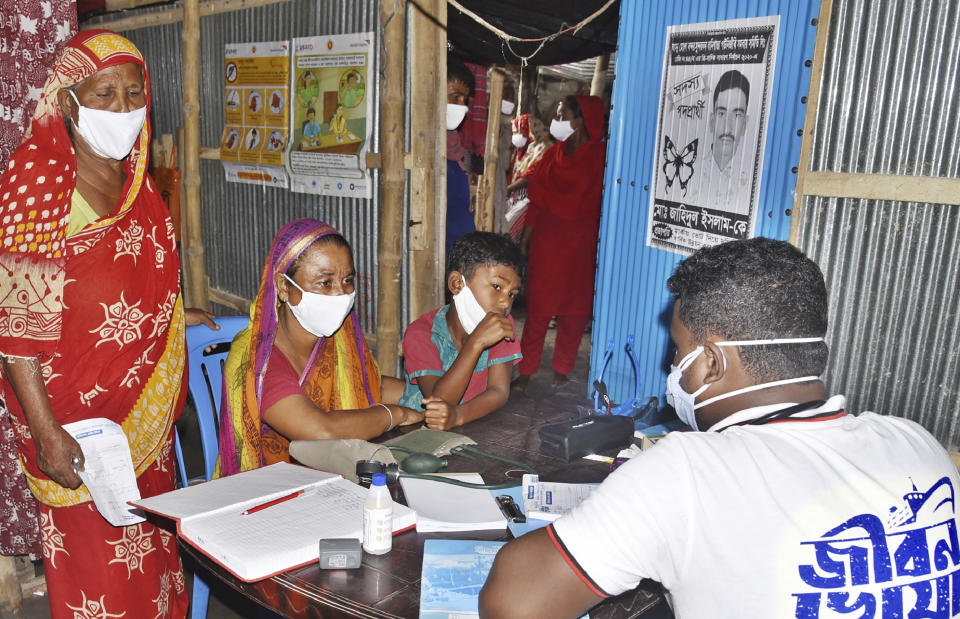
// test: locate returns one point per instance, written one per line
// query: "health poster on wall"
(714, 106)
(256, 102)
(330, 114)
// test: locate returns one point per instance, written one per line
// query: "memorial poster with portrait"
(256, 112)
(714, 107)
(330, 114)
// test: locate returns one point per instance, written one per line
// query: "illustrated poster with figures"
(256, 78)
(714, 107)
(330, 114)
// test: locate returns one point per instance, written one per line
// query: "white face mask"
(561, 129)
(109, 134)
(519, 140)
(686, 403)
(507, 107)
(455, 115)
(321, 314)
(469, 310)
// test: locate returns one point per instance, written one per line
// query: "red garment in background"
(473, 132)
(565, 193)
(564, 212)
(32, 33)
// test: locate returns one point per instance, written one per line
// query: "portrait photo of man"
(726, 169)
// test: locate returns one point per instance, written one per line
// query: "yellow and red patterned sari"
(340, 375)
(101, 310)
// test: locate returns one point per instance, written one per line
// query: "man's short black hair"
(756, 289)
(476, 249)
(458, 72)
(732, 79)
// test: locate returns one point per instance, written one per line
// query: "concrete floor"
(227, 604)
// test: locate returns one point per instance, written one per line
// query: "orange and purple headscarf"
(340, 375)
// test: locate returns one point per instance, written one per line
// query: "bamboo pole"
(428, 174)
(195, 283)
(599, 82)
(810, 119)
(392, 186)
(11, 598)
(486, 200)
(174, 15)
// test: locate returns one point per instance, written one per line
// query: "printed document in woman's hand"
(107, 469)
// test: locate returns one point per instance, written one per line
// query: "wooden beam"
(392, 186)
(599, 82)
(11, 598)
(174, 15)
(195, 281)
(119, 5)
(901, 188)
(428, 174)
(485, 214)
(228, 299)
(810, 119)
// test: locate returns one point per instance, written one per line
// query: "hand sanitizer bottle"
(378, 517)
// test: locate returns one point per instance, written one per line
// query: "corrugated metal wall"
(631, 294)
(239, 221)
(890, 104)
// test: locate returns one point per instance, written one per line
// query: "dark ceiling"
(529, 19)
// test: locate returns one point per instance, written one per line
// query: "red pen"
(257, 508)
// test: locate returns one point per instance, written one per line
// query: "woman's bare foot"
(520, 383)
(559, 379)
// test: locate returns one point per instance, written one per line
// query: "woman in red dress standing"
(560, 237)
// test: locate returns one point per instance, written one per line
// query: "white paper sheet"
(445, 507)
(548, 500)
(108, 469)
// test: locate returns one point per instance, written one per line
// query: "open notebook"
(273, 539)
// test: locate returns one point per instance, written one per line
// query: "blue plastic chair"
(205, 380)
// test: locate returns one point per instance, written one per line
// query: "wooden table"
(389, 585)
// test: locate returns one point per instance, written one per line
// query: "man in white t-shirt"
(781, 505)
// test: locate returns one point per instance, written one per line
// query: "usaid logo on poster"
(902, 565)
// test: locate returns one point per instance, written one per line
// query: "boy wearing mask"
(457, 358)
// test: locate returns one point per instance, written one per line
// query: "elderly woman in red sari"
(560, 236)
(302, 369)
(92, 325)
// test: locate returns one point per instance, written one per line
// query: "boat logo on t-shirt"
(904, 564)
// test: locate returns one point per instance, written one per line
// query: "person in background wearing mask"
(779, 503)
(457, 358)
(459, 86)
(529, 148)
(92, 325)
(560, 236)
(302, 370)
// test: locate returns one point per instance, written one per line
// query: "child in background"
(457, 358)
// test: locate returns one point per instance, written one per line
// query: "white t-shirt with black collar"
(818, 517)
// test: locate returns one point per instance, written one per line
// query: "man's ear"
(716, 366)
(455, 282)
